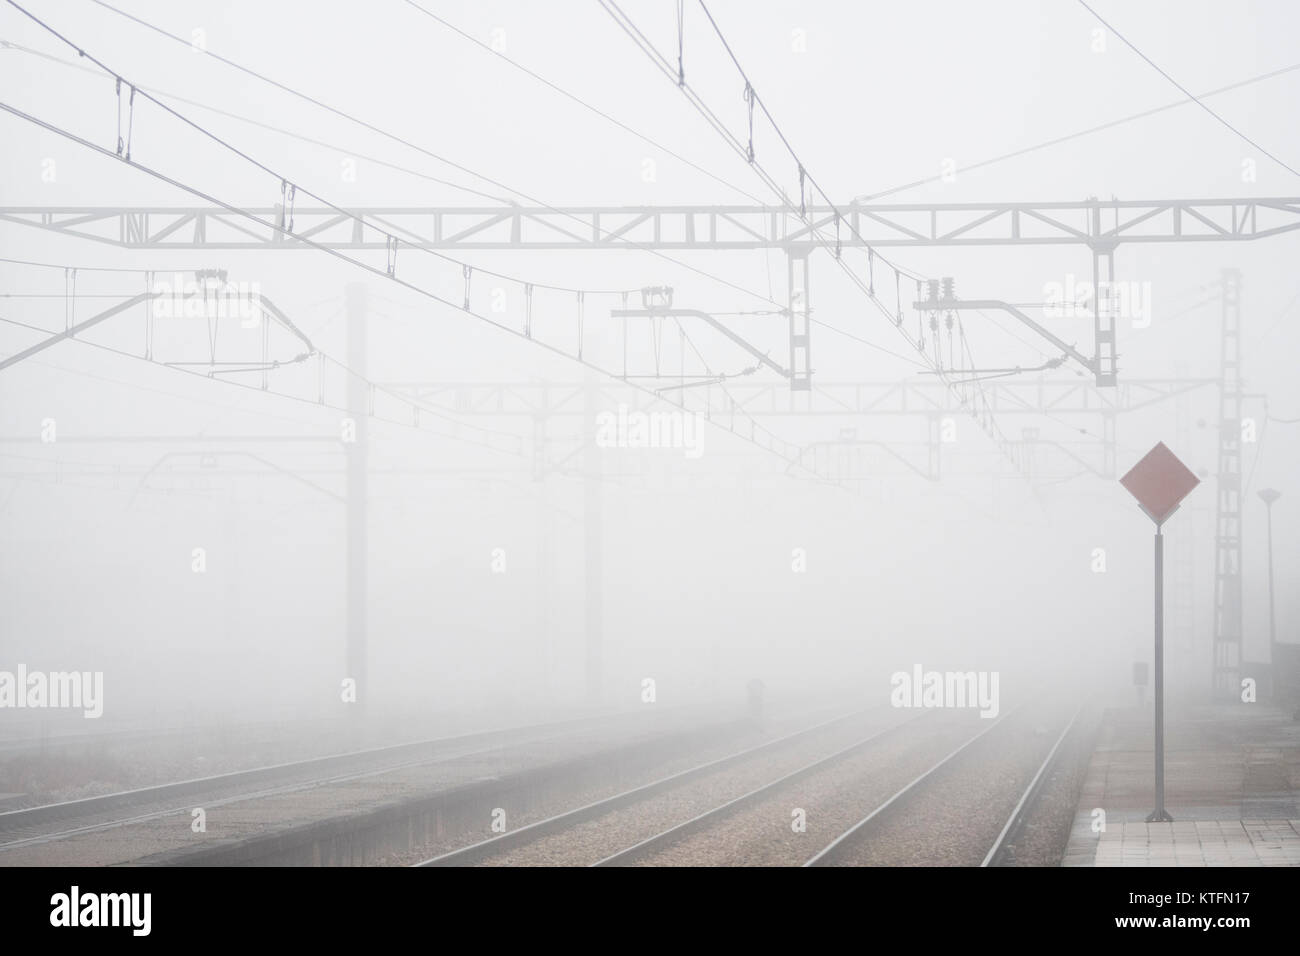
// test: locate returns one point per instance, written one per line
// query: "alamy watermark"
(128, 910)
(57, 689)
(1073, 299)
(629, 428)
(209, 295)
(918, 688)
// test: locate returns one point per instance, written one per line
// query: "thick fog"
(175, 486)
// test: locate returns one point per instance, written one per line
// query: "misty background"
(982, 569)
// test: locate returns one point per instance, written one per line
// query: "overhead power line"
(288, 187)
(746, 151)
(389, 165)
(770, 441)
(1186, 92)
(418, 411)
(280, 130)
(403, 141)
(1057, 141)
(806, 181)
(581, 102)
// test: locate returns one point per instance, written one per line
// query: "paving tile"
(1212, 752)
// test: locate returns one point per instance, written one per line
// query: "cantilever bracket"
(711, 321)
(952, 305)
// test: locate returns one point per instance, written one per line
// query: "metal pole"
(1268, 496)
(594, 537)
(357, 473)
(1159, 815)
(1272, 610)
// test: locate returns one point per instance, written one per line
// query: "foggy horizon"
(625, 382)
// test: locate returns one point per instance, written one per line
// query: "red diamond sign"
(1159, 482)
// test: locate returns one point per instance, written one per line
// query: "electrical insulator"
(657, 298)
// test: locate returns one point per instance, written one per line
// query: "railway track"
(632, 826)
(828, 796)
(967, 809)
(874, 787)
(1002, 853)
(648, 847)
(56, 821)
(876, 782)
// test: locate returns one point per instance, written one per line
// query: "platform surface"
(1232, 785)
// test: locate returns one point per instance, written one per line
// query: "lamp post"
(1268, 496)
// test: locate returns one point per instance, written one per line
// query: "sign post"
(1159, 482)
(1268, 496)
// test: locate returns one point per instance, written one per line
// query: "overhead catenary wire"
(250, 412)
(752, 98)
(173, 395)
(418, 409)
(803, 171)
(409, 144)
(313, 351)
(84, 268)
(288, 185)
(1079, 134)
(771, 443)
(344, 149)
(280, 130)
(572, 97)
(621, 125)
(751, 95)
(746, 152)
(1186, 92)
(512, 279)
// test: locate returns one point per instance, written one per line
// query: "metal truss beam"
(1098, 224)
(828, 399)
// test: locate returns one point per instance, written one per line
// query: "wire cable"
(987, 422)
(458, 306)
(581, 102)
(605, 233)
(1186, 92)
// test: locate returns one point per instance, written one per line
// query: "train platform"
(1232, 786)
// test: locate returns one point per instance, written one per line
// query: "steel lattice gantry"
(740, 399)
(833, 399)
(1101, 225)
